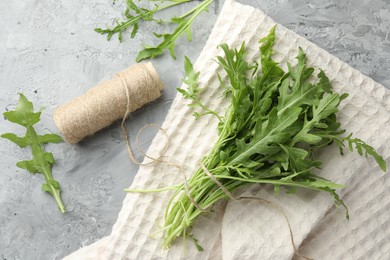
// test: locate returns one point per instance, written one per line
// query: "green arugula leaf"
(365, 149)
(274, 132)
(21, 141)
(193, 90)
(327, 106)
(184, 24)
(134, 15)
(23, 114)
(42, 161)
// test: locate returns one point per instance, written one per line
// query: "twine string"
(153, 160)
(212, 177)
(107, 102)
(188, 192)
(129, 99)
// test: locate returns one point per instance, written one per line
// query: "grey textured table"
(49, 51)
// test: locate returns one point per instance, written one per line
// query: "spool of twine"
(107, 102)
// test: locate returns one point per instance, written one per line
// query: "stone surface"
(49, 51)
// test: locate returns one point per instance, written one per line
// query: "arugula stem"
(187, 14)
(57, 196)
(171, 5)
(44, 167)
(209, 111)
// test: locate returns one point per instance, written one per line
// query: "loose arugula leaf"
(42, 161)
(168, 43)
(135, 14)
(364, 149)
(193, 90)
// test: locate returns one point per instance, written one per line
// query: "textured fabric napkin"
(249, 229)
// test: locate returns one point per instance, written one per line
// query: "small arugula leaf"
(49, 138)
(324, 82)
(42, 161)
(189, 34)
(184, 24)
(23, 114)
(192, 77)
(365, 149)
(266, 45)
(272, 133)
(298, 158)
(326, 107)
(32, 166)
(149, 53)
(22, 142)
(134, 15)
(196, 242)
(193, 90)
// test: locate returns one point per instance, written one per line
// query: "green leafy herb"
(135, 14)
(193, 90)
(42, 161)
(269, 134)
(184, 23)
(362, 149)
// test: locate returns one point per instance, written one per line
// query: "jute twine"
(107, 102)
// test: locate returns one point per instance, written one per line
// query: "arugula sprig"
(268, 135)
(42, 161)
(362, 148)
(184, 24)
(193, 90)
(135, 14)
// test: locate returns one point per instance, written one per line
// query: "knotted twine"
(107, 102)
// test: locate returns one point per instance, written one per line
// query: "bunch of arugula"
(42, 161)
(269, 134)
(134, 14)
